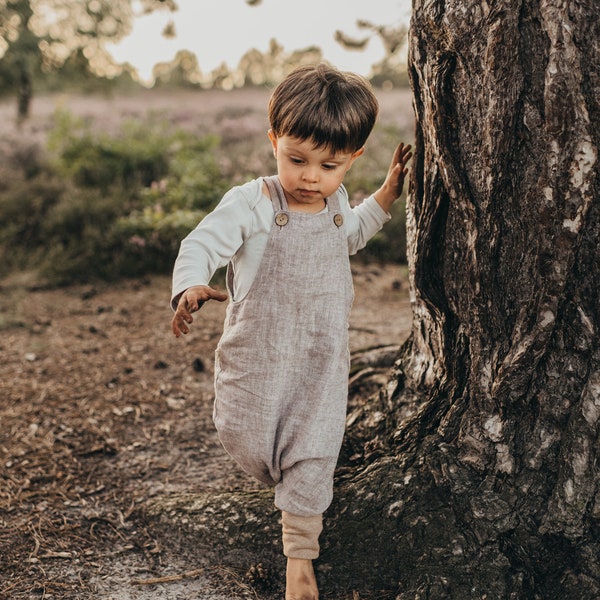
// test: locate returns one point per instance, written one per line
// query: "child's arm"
(205, 249)
(190, 301)
(391, 189)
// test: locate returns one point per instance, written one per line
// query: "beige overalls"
(281, 372)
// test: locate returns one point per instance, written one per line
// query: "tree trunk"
(24, 91)
(473, 473)
(504, 251)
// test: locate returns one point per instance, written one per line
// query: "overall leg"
(306, 487)
(301, 546)
(303, 494)
(249, 453)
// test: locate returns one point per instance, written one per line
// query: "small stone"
(198, 365)
(176, 403)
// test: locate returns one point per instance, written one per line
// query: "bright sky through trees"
(220, 31)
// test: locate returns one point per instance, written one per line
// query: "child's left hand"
(189, 302)
(394, 182)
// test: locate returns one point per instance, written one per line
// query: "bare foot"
(300, 583)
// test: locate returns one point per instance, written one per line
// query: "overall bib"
(281, 366)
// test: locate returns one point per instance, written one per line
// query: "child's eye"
(296, 161)
(329, 167)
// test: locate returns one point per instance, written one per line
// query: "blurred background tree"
(391, 71)
(19, 47)
(42, 38)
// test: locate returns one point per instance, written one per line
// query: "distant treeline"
(254, 69)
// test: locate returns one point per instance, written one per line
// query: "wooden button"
(281, 219)
(338, 220)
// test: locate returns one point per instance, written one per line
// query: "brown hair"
(336, 110)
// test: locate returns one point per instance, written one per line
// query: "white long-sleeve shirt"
(237, 230)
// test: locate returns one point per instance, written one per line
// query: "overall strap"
(333, 203)
(277, 193)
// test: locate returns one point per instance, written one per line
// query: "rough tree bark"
(473, 472)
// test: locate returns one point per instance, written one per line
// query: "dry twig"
(169, 578)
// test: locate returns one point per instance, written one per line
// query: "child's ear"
(273, 139)
(355, 155)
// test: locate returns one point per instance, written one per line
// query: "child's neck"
(307, 208)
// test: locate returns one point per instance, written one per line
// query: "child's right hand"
(394, 182)
(189, 302)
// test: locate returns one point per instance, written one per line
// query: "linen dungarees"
(281, 366)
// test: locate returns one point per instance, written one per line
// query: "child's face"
(308, 174)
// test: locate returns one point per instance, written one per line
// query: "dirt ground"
(101, 408)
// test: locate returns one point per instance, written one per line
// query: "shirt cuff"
(376, 211)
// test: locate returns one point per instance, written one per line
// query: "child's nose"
(310, 174)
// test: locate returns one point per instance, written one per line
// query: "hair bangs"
(326, 131)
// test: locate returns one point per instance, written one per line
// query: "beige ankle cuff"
(301, 535)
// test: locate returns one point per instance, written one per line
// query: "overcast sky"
(223, 30)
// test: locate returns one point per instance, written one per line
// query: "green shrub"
(86, 237)
(149, 239)
(194, 181)
(24, 207)
(131, 200)
(78, 239)
(136, 157)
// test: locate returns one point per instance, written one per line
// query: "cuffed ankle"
(301, 535)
